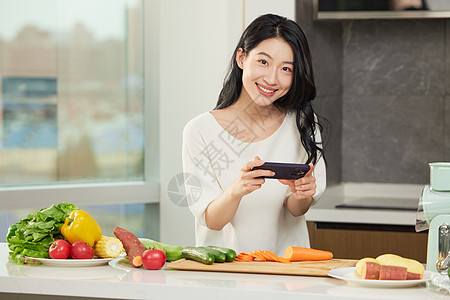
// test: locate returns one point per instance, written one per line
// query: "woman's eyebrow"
(266, 54)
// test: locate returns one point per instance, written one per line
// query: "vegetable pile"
(32, 236)
(64, 231)
(389, 267)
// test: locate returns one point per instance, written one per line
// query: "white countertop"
(119, 280)
(325, 209)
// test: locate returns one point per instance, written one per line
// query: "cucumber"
(198, 254)
(219, 256)
(172, 252)
(150, 244)
(229, 253)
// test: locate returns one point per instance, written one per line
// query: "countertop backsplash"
(384, 86)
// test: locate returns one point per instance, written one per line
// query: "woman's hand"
(304, 187)
(302, 191)
(248, 180)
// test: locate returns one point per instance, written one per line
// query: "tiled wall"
(385, 87)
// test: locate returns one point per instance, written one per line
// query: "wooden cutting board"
(305, 268)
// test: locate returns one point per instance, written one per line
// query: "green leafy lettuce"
(32, 236)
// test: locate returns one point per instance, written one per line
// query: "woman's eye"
(287, 69)
(264, 62)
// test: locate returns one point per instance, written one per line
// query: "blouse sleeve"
(203, 186)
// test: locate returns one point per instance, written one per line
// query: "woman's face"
(268, 70)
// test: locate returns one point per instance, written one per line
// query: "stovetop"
(409, 204)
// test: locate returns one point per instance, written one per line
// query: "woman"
(263, 112)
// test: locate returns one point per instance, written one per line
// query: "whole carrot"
(305, 254)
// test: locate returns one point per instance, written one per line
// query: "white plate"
(73, 262)
(349, 275)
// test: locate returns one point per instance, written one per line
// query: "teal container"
(440, 176)
(435, 203)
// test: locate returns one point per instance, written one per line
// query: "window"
(29, 113)
(73, 111)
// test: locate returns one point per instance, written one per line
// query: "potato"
(391, 260)
(359, 264)
(370, 270)
(414, 268)
(392, 273)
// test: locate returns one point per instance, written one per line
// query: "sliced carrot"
(245, 254)
(244, 257)
(261, 255)
(306, 254)
(257, 255)
(272, 256)
(275, 257)
(247, 259)
(283, 260)
(265, 255)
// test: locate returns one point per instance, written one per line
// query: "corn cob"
(108, 247)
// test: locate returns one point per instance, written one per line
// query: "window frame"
(113, 192)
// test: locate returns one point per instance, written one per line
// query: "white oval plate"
(349, 275)
(72, 262)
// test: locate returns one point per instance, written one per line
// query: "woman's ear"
(240, 58)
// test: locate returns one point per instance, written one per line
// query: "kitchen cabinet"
(355, 241)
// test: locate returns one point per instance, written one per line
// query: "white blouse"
(213, 158)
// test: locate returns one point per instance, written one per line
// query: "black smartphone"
(284, 170)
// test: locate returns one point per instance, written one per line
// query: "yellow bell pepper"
(80, 226)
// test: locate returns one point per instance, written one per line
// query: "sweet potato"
(370, 270)
(132, 245)
(413, 276)
(415, 269)
(361, 262)
(392, 273)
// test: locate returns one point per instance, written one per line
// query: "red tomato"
(81, 250)
(153, 259)
(59, 249)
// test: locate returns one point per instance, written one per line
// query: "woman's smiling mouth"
(265, 90)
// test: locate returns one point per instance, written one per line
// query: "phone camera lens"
(297, 172)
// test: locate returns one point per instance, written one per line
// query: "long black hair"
(303, 90)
